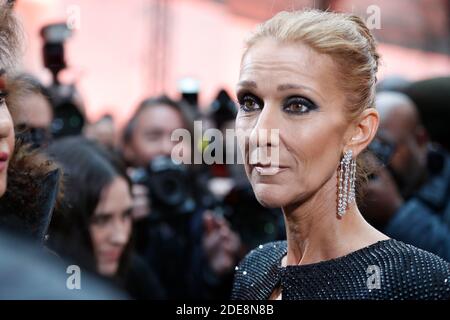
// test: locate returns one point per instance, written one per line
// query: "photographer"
(192, 249)
(34, 113)
(410, 198)
(103, 131)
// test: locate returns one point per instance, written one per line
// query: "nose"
(265, 136)
(266, 128)
(6, 125)
(120, 233)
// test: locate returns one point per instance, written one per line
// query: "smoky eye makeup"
(298, 105)
(249, 102)
(293, 104)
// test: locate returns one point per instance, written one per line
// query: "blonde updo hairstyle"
(347, 40)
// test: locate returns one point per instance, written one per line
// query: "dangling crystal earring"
(347, 177)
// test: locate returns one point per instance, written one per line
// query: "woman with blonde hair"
(310, 77)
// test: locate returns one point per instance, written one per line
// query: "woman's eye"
(298, 106)
(100, 220)
(249, 103)
(127, 214)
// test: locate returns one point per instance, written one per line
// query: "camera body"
(68, 118)
(54, 36)
(254, 223)
(170, 188)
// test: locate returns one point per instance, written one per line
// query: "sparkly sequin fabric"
(386, 270)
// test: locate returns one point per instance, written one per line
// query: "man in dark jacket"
(410, 199)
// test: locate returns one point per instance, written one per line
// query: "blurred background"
(124, 50)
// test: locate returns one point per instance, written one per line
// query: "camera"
(68, 118)
(254, 223)
(170, 188)
(189, 89)
(54, 36)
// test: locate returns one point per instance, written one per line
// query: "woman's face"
(6, 135)
(110, 228)
(290, 87)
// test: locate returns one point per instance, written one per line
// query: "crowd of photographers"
(154, 229)
(160, 230)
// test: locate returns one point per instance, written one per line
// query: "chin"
(108, 269)
(270, 196)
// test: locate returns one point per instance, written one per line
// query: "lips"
(111, 256)
(268, 169)
(4, 157)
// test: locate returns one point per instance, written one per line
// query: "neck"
(316, 233)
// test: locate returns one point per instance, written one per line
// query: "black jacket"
(30, 216)
(424, 219)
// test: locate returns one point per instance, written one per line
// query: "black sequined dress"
(388, 269)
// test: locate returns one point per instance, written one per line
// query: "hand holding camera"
(220, 243)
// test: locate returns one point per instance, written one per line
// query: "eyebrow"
(281, 87)
(102, 214)
(288, 86)
(247, 84)
(106, 213)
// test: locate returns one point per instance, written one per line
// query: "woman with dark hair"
(93, 227)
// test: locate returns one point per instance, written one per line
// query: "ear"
(363, 131)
